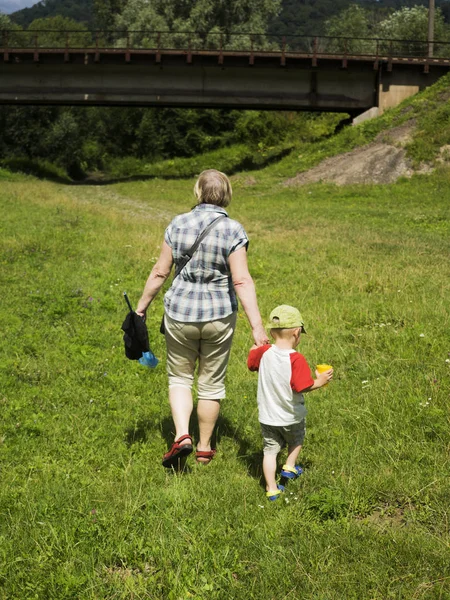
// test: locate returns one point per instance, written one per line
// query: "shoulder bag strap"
(189, 254)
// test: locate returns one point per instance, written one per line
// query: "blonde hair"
(283, 334)
(213, 187)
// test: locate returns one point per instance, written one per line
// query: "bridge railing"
(222, 42)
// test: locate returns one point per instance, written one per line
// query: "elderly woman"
(200, 310)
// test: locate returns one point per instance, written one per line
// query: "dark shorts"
(277, 437)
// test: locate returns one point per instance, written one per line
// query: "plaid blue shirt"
(203, 291)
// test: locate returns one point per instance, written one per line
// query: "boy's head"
(285, 322)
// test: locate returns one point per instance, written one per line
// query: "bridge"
(242, 71)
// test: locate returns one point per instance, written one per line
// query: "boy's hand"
(324, 378)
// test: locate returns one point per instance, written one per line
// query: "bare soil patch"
(381, 162)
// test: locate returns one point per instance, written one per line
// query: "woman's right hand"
(141, 308)
(260, 335)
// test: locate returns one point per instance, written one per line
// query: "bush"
(37, 167)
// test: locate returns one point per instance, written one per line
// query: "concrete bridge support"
(403, 81)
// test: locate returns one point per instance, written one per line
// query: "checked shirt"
(203, 291)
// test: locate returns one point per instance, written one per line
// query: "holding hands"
(260, 335)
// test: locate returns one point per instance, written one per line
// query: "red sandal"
(170, 459)
(208, 455)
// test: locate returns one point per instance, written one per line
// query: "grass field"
(86, 510)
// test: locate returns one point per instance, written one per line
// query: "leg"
(269, 470)
(273, 443)
(182, 342)
(294, 436)
(181, 406)
(207, 412)
(215, 346)
(214, 353)
(182, 353)
(293, 452)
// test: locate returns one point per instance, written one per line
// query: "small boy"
(283, 374)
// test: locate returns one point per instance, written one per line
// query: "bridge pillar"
(404, 81)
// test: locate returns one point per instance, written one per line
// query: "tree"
(10, 33)
(353, 22)
(53, 32)
(215, 21)
(106, 12)
(79, 10)
(411, 24)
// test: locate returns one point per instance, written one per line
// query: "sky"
(9, 6)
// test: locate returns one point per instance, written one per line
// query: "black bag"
(189, 254)
(135, 335)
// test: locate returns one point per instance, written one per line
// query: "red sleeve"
(255, 355)
(301, 375)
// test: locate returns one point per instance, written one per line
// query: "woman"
(201, 308)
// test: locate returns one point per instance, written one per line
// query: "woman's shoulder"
(180, 219)
(232, 224)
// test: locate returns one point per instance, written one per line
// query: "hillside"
(78, 10)
(307, 17)
(412, 138)
(297, 17)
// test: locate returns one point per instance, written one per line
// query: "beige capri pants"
(209, 343)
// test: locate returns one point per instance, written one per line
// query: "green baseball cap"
(285, 317)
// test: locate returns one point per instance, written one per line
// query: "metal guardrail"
(161, 41)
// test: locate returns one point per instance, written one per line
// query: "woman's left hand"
(260, 335)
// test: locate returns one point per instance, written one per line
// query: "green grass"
(86, 510)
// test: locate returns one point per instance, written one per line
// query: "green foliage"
(24, 130)
(54, 32)
(77, 10)
(106, 12)
(7, 25)
(265, 139)
(214, 20)
(411, 23)
(41, 168)
(5, 22)
(353, 22)
(231, 160)
(88, 139)
(296, 17)
(408, 23)
(64, 142)
(261, 129)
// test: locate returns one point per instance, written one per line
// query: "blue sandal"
(272, 496)
(291, 472)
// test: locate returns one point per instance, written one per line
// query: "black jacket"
(135, 336)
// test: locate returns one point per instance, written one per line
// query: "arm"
(245, 290)
(156, 279)
(322, 379)
(255, 355)
(301, 380)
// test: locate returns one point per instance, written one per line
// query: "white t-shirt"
(282, 376)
